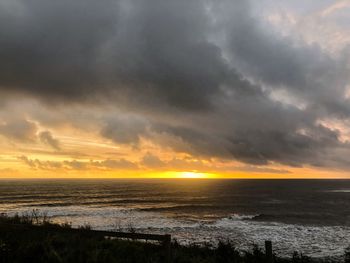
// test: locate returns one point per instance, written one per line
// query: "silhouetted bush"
(300, 258)
(22, 241)
(347, 255)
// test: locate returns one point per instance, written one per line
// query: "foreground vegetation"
(33, 238)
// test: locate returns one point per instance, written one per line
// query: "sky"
(185, 89)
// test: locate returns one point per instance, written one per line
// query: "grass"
(34, 238)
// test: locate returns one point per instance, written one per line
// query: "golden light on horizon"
(194, 175)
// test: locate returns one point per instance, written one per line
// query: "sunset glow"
(236, 90)
(179, 130)
(194, 175)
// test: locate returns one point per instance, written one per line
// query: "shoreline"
(242, 234)
(21, 235)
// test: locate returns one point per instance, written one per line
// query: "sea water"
(308, 216)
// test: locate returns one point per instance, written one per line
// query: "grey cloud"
(48, 49)
(75, 165)
(47, 138)
(42, 165)
(125, 129)
(52, 165)
(272, 134)
(120, 164)
(19, 129)
(109, 164)
(82, 50)
(305, 71)
(152, 161)
(256, 169)
(163, 53)
(27, 161)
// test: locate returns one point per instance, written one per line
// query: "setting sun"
(193, 175)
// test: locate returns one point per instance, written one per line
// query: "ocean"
(308, 216)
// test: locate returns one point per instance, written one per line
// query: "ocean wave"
(68, 211)
(242, 229)
(177, 207)
(340, 191)
(243, 217)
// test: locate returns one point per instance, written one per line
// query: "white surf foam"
(315, 241)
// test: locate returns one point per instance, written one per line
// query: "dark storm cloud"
(256, 146)
(74, 50)
(49, 48)
(197, 76)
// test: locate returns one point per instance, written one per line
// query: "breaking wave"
(241, 229)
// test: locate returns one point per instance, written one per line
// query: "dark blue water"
(312, 216)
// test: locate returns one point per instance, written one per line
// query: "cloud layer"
(211, 79)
